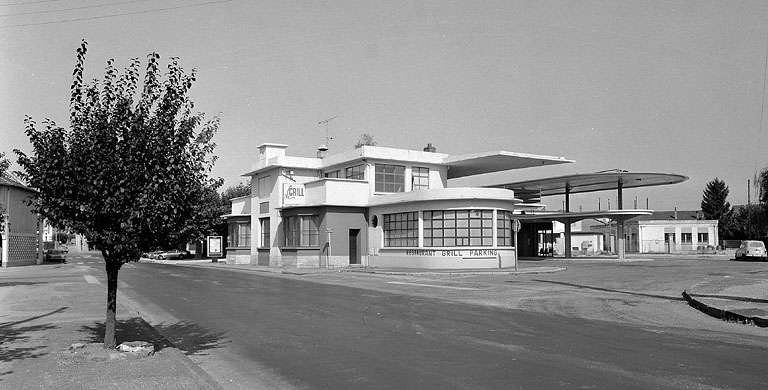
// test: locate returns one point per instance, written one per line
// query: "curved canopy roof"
(589, 182)
(488, 162)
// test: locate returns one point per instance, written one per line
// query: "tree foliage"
(131, 171)
(4, 164)
(365, 140)
(715, 205)
(762, 185)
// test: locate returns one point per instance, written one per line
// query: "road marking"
(433, 285)
(91, 279)
(80, 263)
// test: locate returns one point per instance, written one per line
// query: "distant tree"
(762, 184)
(365, 140)
(749, 222)
(4, 165)
(128, 175)
(236, 191)
(715, 205)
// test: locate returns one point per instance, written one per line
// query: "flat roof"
(588, 182)
(488, 162)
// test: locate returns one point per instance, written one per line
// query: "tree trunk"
(109, 325)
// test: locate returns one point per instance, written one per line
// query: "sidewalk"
(45, 309)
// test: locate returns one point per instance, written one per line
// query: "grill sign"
(293, 194)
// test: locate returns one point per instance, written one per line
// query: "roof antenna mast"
(325, 122)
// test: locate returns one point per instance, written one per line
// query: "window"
(504, 228)
(357, 172)
(264, 226)
(334, 174)
(686, 238)
(390, 178)
(239, 235)
(301, 230)
(420, 178)
(458, 228)
(401, 229)
(264, 187)
(702, 238)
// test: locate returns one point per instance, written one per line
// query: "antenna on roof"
(325, 122)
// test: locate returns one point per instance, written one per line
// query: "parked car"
(151, 255)
(751, 249)
(57, 254)
(173, 254)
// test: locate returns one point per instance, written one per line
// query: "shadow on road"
(13, 337)
(188, 337)
(671, 298)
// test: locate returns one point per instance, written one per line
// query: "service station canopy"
(532, 191)
(487, 162)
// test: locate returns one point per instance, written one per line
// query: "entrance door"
(354, 246)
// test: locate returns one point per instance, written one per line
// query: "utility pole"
(749, 210)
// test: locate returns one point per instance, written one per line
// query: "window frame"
(265, 236)
(401, 229)
(263, 187)
(458, 228)
(419, 175)
(356, 172)
(239, 234)
(301, 231)
(389, 178)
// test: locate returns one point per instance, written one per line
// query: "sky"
(644, 86)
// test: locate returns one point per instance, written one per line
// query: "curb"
(724, 315)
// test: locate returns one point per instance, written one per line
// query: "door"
(354, 246)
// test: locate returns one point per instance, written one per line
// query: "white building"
(376, 206)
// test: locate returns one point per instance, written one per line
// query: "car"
(172, 254)
(151, 255)
(57, 254)
(751, 249)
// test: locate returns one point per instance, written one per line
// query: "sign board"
(215, 247)
(293, 194)
(516, 225)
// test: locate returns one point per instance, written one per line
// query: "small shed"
(19, 227)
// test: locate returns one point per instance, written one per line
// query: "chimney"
(322, 151)
(675, 212)
(430, 148)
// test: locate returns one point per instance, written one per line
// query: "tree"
(4, 165)
(761, 182)
(365, 139)
(236, 191)
(127, 174)
(715, 205)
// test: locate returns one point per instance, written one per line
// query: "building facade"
(679, 232)
(20, 235)
(375, 206)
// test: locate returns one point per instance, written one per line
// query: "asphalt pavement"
(52, 321)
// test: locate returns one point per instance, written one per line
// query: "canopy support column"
(567, 222)
(620, 247)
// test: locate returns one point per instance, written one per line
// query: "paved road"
(597, 325)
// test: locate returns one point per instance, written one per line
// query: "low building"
(678, 232)
(21, 237)
(376, 206)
